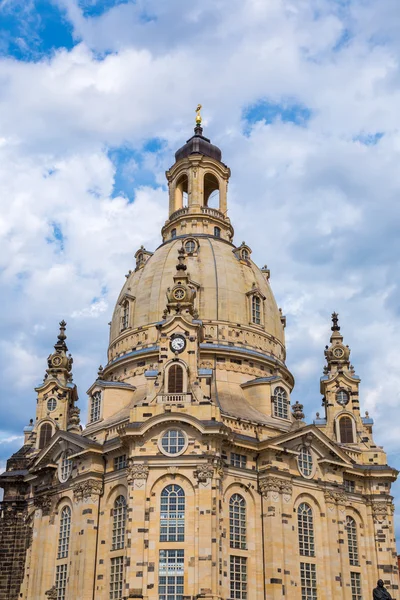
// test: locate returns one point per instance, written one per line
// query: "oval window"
(51, 404)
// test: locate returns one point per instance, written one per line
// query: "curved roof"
(198, 144)
(222, 280)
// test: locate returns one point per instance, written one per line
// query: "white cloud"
(316, 203)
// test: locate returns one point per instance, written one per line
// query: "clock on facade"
(338, 352)
(56, 361)
(178, 343)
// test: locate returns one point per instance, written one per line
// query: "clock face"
(178, 343)
(179, 294)
(338, 352)
(56, 360)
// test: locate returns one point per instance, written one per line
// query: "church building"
(195, 475)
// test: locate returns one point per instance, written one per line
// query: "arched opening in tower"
(211, 191)
(181, 192)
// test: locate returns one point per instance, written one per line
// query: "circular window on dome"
(51, 404)
(173, 442)
(338, 352)
(305, 462)
(179, 294)
(342, 397)
(64, 467)
(190, 246)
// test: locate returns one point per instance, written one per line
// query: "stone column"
(273, 543)
(84, 538)
(335, 572)
(137, 532)
(382, 513)
(208, 487)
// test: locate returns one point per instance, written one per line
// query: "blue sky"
(95, 97)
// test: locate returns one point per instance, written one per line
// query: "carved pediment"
(62, 441)
(310, 436)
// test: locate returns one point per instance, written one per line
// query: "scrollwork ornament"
(204, 472)
(86, 489)
(137, 471)
(272, 484)
(380, 511)
(51, 593)
(43, 503)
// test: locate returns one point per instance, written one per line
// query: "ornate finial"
(317, 415)
(297, 411)
(335, 320)
(60, 345)
(100, 373)
(198, 115)
(181, 258)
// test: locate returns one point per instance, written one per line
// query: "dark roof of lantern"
(198, 144)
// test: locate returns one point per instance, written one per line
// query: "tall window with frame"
(64, 532)
(61, 581)
(352, 542)
(172, 514)
(280, 403)
(170, 574)
(95, 407)
(237, 522)
(175, 379)
(116, 578)
(356, 592)
(305, 526)
(119, 524)
(238, 577)
(308, 576)
(346, 430)
(46, 431)
(256, 309)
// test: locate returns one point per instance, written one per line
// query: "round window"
(190, 246)
(64, 468)
(51, 404)
(173, 441)
(305, 462)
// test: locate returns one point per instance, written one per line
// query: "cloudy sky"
(302, 96)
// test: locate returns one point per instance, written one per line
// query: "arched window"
(175, 379)
(256, 310)
(211, 191)
(306, 530)
(45, 435)
(217, 232)
(351, 527)
(95, 407)
(305, 462)
(172, 517)
(280, 403)
(346, 430)
(245, 254)
(173, 233)
(65, 531)
(119, 519)
(125, 315)
(237, 522)
(181, 192)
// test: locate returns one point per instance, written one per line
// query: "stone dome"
(198, 144)
(222, 280)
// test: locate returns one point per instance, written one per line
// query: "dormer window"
(280, 403)
(139, 260)
(245, 254)
(256, 310)
(125, 315)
